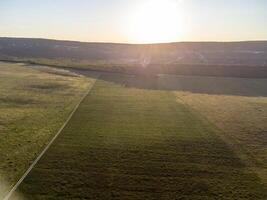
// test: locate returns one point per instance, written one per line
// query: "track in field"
(127, 143)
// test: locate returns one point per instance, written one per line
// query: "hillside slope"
(227, 53)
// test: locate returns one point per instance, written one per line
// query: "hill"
(241, 59)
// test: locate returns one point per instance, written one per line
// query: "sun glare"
(156, 21)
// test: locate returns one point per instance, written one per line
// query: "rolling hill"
(234, 59)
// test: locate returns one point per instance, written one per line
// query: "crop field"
(34, 103)
(138, 138)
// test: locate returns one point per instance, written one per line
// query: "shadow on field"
(193, 84)
(149, 79)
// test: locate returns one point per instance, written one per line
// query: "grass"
(135, 143)
(241, 118)
(81, 64)
(135, 67)
(33, 106)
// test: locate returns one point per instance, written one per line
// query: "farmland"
(133, 100)
(238, 107)
(146, 138)
(34, 103)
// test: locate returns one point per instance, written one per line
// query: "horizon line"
(129, 43)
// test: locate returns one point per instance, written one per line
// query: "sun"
(156, 21)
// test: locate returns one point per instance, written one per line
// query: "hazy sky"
(135, 21)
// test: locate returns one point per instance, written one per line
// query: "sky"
(135, 21)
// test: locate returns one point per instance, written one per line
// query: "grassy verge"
(33, 105)
(128, 143)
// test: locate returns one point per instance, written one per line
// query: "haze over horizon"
(135, 21)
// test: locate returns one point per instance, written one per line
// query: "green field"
(237, 107)
(34, 103)
(131, 140)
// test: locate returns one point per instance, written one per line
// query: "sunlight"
(156, 21)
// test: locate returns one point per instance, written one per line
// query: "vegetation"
(34, 103)
(130, 140)
(224, 59)
(210, 53)
(242, 71)
(240, 114)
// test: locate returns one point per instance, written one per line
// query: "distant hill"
(227, 59)
(220, 53)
